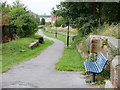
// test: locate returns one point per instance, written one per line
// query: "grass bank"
(13, 54)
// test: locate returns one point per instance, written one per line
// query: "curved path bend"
(39, 72)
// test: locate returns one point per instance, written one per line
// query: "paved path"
(39, 72)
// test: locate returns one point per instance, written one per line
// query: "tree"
(19, 16)
(42, 21)
(60, 21)
(111, 12)
(37, 19)
(16, 10)
(80, 14)
(85, 15)
(26, 25)
(4, 9)
(24, 21)
(65, 13)
(4, 20)
(55, 12)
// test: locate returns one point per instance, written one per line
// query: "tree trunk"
(100, 7)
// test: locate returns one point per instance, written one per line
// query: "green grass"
(70, 61)
(59, 37)
(12, 54)
(71, 31)
(118, 37)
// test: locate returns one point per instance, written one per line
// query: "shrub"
(42, 21)
(47, 23)
(22, 18)
(63, 25)
(59, 22)
(104, 42)
(37, 20)
(25, 25)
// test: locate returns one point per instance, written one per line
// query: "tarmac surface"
(39, 72)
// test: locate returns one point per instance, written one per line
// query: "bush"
(76, 40)
(37, 20)
(25, 22)
(50, 25)
(85, 45)
(63, 25)
(47, 23)
(26, 25)
(42, 21)
(59, 22)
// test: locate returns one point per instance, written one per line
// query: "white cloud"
(38, 6)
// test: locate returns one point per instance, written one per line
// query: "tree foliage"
(18, 15)
(85, 15)
(26, 25)
(59, 22)
(4, 9)
(42, 21)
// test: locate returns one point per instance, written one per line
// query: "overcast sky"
(38, 6)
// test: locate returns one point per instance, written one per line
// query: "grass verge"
(62, 30)
(59, 37)
(70, 61)
(12, 53)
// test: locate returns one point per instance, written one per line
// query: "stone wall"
(98, 44)
(104, 44)
(84, 55)
(95, 44)
(115, 72)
